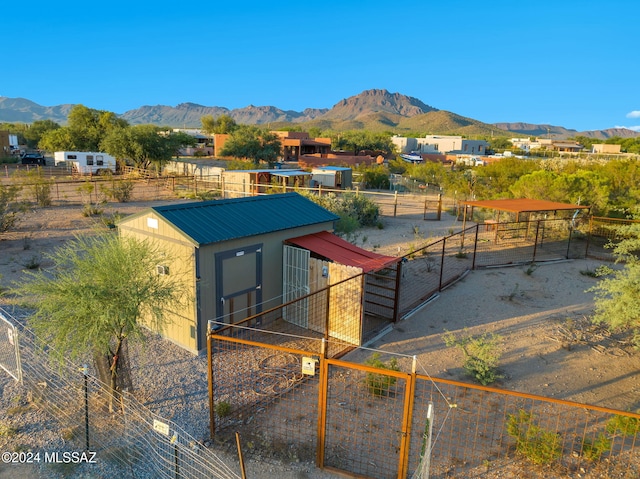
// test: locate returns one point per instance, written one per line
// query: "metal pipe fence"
(365, 420)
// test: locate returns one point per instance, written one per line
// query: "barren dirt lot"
(550, 346)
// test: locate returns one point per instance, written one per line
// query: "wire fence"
(431, 268)
(370, 420)
(121, 435)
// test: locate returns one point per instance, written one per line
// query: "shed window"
(162, 269)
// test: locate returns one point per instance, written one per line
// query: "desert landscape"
(541, 312)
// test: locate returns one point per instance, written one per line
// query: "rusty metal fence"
(370, 421)
(431, 268)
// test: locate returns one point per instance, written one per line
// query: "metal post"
(327, 313)
(395, 203)
(86, 406)
(212, 419)
(475, 248)
(569, 242)
(407, 420)
(323, 386)
(444, 245)
(535, 243)
(174, 440)
(240, 457)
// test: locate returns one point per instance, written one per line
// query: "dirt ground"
(550, 346)
(542, 312)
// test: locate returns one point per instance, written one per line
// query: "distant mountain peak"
(378, 101)
(374, 110)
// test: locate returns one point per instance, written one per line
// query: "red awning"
(340, 251)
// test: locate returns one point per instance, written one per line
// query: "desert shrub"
(121, 191)
(10, 208)
(91, 210)
(481, 355)
(354, 211)
(533, 442)
(376, 178)
(92, 198)
(624, 425)
(33, 262)
(37, 185)
(593, 449)
(223, 409)
(6, 430)
(110, 220)
(361, 208)
(380, 384)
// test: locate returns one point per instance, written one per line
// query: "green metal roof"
(221, 220)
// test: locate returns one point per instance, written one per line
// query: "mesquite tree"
(617, 295)
(96, 296)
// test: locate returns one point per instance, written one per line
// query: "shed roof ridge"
(220, 202)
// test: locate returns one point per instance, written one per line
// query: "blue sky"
(567, 63)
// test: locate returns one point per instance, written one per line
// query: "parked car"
(33, 159)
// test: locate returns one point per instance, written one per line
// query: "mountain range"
(373, 110)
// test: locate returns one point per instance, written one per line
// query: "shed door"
(238, 283)
(295, 283)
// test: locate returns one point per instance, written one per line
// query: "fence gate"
(9, 347)
(365, 424)
(296, 283)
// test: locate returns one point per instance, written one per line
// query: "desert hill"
(375, 110)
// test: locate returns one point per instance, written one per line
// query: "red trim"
(340, 251)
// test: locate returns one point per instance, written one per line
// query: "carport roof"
(340, 251)
(207, 222)
(521, 205)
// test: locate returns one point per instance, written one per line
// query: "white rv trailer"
(85, 162)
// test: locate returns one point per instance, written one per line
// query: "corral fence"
(128, 441)
(48, 186)
(431, 268)
(290, 399)
(605, 232)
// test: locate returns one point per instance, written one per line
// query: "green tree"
(617, 295)
(536, 185)
(223, 124)
(37, 130)
(358, 140)
(95, 297)
(375, 177)
(252, 143)
(585, 141)
(631, 145)
(60, 139)
(178, 140)
(500, 143)
(86, 130)
(144, 145)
